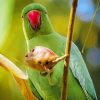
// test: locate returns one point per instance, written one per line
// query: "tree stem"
(68, 49)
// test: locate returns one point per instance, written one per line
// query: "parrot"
(43, 60)
(39, 33)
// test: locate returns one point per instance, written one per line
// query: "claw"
(50, 78)
(43, 73)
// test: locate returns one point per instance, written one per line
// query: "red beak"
(34, 18)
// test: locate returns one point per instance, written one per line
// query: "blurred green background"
(12, 38)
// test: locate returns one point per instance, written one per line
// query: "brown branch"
(68, 49)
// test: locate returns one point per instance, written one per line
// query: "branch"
(68, 49)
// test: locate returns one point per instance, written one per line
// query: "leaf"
(19, 76)
(24, 87)
(6, 8)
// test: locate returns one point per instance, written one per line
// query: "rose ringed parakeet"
(39, 32)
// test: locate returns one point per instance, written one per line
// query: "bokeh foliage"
(12, 39)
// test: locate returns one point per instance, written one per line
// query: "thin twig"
(68, 48)
(91, 25)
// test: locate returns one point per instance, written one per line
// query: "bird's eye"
(39, 62)
(46, 12)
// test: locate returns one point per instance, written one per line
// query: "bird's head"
(35, 20)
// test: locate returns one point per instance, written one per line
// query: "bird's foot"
(50, 78)
(43, 73)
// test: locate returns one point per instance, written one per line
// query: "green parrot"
(39, 32)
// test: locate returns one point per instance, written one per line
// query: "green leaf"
(6, 8)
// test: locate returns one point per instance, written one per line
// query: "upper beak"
(34, 17)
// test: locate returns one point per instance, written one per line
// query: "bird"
(39, 32)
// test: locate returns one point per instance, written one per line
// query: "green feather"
(80, 85)
(34, 90)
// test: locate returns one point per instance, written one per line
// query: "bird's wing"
(81, 73)
(34, 90)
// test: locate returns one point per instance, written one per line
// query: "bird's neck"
(46, 27)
